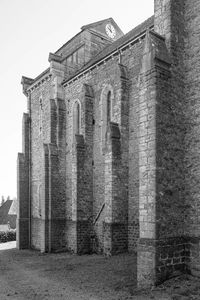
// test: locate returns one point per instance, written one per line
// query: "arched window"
(76, 118)
(108, 107)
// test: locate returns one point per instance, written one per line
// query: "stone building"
(111, 159)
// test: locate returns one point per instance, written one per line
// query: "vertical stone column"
(87, 131)
(44, 243)
(53, 205)
(147, 169)
(171, 129)
(23, 214)
(80, 241)
(56, 202)
(162, 15)
(57, 69)
(115, 227)
(169, 22)
(156, 121)
(80, 227)
(86, 183)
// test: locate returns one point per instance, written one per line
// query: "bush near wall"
(8, 236)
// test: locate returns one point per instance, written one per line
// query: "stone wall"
(192, 120)
(127, 179)
(40, 134)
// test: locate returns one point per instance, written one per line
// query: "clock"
(110, 30)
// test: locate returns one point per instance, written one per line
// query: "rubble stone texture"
(111, 157)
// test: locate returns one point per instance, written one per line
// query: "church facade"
(110, 160)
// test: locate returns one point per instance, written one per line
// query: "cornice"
(38, 81)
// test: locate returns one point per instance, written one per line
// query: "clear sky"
(29, 30)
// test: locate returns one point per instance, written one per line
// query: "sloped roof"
(5, 217)
(94, 24)
(4, 209)
(117, 44)
(92, 27)
(13, 208)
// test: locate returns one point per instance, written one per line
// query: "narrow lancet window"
(108, 107)
(106, 111)
(76, 118)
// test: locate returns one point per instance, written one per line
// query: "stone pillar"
(169, 21)
(54, 202)
(87, 131)
(191, 57)
(172, 126)
(115, 227)
(80, 226)
(23, 214)
(160, 242)
(79, 241)
(44, 243)
(57, 69)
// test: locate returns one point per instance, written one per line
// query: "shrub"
(11, 235)
(7, 236)
(3, 237)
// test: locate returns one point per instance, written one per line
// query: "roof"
(13, 208)
(117, 44)
(85, 27)
(4, 208)
(123, 40)
(5, 217)
(97, 26)
(88, 26)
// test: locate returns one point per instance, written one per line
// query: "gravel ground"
(32, 275)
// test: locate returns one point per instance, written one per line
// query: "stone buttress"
(23, 175)
(53, 204)
(79, 227)
(116, 170)
(74, 185)
(161, 246)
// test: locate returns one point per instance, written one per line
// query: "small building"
(8, 215)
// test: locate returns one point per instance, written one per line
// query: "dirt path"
(32, 275)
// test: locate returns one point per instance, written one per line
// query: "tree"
(2, 200)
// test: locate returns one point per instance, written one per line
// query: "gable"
(106, 28)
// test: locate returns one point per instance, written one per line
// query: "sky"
(29, 30)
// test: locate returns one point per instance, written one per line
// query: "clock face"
(110, 30)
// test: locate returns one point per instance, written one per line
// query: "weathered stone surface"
(111, 156)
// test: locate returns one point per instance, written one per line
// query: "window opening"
(76, 118)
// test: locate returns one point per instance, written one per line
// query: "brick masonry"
(120, 173)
